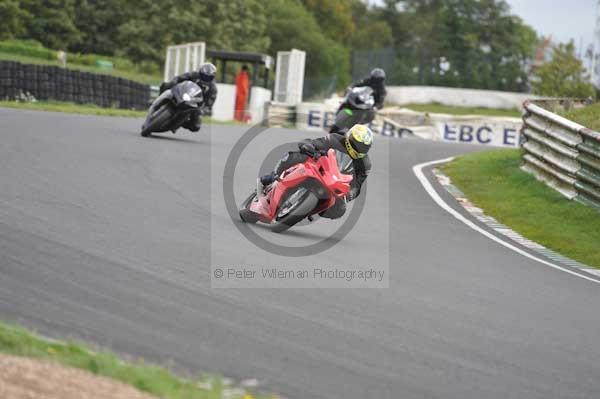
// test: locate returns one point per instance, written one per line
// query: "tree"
(334, 17)
(369, 24)
(152, 26)
(466, 43)
(291, 25)
(485, 45)
(232, 25)
(12, 19)
(564, 75)
(51, 23)
(237, 25)
(99, 22)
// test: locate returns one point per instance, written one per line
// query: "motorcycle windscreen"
(361, 98)
(344, 162)
(186, 91)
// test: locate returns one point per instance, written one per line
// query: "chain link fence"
(422, 67)
(318, 88)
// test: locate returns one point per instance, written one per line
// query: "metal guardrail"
(563, 154)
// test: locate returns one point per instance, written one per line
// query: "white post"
(289, 76)
(297, 61)
(177, 57)
(188, 51)
(278, 76)
(195, 57)
(166, 74)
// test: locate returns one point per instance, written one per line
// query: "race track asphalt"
(107, 237)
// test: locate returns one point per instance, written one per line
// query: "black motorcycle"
(173, 108)
(358, 107)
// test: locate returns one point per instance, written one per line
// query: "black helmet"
(358, 141)
(377, 74)
(207, 72)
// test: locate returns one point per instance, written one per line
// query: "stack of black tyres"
(46, 82)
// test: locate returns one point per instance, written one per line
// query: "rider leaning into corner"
(355, 143)
(376, 81)
(205, 78)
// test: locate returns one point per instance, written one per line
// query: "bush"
(28, 48)
(34, 49)
(564, 75)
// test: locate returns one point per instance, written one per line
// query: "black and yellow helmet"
(358, 141)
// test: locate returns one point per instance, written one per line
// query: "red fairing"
(323, 170)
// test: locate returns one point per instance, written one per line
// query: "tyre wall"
(46, 82)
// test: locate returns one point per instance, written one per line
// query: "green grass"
(91, 109)
(30, 52)
(588, 116)
(131, 75)
(148, 378)
(88, 109)
(436, 108)
(493, 181)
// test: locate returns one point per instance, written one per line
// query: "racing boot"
(193, 123)
(262, 183)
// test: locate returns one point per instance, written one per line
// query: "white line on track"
(418, 171)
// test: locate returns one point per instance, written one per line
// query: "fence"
(562, 154)
(46, 82)
(422, 66)
(318, 88)
(183, 58)
(365, 60)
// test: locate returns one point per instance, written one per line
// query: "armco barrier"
(46, 82)
(563, 154)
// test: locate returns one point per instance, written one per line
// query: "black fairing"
(191, 89)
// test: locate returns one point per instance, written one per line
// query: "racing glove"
(307, 148)
(162, 88)
(206, 111)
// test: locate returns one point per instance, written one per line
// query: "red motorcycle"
(301, 191)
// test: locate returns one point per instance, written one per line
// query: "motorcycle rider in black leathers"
(355, 143)
(205, 78)
(376, 81)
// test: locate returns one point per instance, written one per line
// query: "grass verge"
(90, 109)
(131, 75)
(32, 52)
(587, 116)
(493, 181)
(147, 378)
(436, 108)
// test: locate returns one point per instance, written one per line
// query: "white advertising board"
(320, 117)
(488, 132)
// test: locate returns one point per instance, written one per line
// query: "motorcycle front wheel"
(157, 120)
(291, 213)
(247, 215)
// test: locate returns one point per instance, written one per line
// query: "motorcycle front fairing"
(361, 98)
(187, 94)
(322, 174)
(165, 95)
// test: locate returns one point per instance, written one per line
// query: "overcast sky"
(563, 19)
